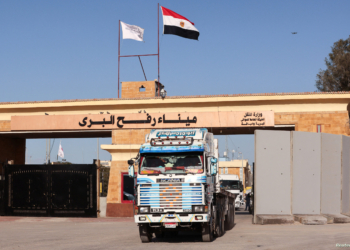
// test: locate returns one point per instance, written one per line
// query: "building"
(221, 114)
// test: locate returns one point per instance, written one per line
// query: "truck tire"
(207, 232)
(228, 219)
(220, 228)
(233, 216)
(145, 233)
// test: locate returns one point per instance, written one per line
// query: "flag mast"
(118, 55)
(158, 50)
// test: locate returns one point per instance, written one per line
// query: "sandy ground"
(122, 233)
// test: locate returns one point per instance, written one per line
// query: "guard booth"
(49, 190)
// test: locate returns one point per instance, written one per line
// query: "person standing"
(247, 201)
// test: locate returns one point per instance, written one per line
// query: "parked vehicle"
(177, 185)
(232, 184)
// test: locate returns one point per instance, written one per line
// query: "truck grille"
(171, 195)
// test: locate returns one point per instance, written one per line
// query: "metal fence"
(50, 190)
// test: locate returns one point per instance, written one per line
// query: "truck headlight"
(198, 209)
(144, 210)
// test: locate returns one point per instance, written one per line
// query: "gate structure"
(1, 195)
(50, 190)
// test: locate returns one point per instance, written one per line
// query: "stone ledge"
(265, 219)
(310, 219)
(336, 218)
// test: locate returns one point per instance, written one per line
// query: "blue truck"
(177, 185)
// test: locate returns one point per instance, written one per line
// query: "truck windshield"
(230, 184)
(171, 164)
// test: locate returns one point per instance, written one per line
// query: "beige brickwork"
(132, 89)
(129, 136)
(331, 122)
(114, 186)
(5, 125)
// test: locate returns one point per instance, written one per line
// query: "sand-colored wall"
(331, 122)
(132, 89)
(5, 126)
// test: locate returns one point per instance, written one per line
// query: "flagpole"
(158, 51)
(119, 54)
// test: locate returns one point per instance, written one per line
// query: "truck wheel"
(220, 228)
(233, 215)
(228, 219)
(145, 233)
(207, 232)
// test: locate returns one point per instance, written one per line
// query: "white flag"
(60, 151)
(132, 32)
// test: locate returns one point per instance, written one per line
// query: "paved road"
(122, 233)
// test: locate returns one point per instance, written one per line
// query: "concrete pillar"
(125, 145)
(12, 149)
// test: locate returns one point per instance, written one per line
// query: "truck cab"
(232, 184)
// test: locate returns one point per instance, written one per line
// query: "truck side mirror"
(213, 166)
(131, 169)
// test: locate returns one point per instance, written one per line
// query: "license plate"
(157, 210)
(170, 225)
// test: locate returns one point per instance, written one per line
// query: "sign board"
(143, 120)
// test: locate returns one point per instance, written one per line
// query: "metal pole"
(118, 55)
(46, 152)
(241, 172)
(98, 149)
(142, 68)
(158, 53)
(139, 55)
(49, 150)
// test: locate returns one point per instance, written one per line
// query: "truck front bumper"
(150, 218)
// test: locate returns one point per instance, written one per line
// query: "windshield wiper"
(181, 174)
(153, 174)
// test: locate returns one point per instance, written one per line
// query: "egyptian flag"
(178, 25)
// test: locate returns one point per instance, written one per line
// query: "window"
(319, 128)
(127, 188)
(222, 170)
(175, 163)
(142, 89)
(226, 171)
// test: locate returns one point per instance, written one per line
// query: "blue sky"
(68, 50)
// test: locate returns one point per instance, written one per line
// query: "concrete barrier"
(345, 176)
(103, 206)
(331, 147)
(306, 169)
(272, 173)
(311, 181)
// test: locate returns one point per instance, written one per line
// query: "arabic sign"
(143, 120)
(253, 119)
(175, 133)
